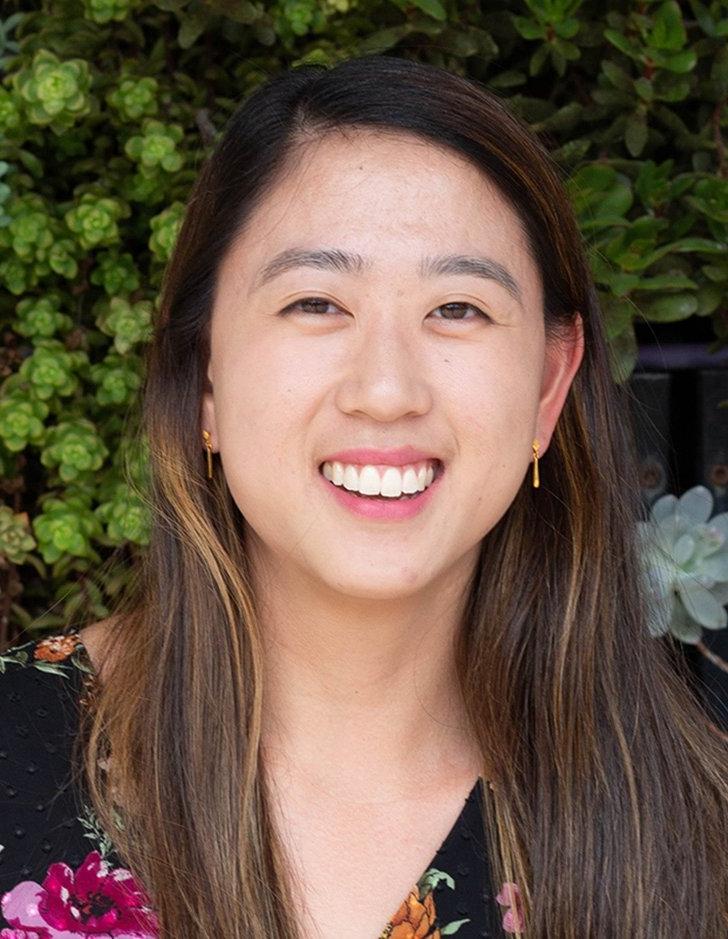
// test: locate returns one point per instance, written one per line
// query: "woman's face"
(398, 348)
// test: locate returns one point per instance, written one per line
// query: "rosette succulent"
(685, 554)
(41, 316)
(75, 447)
(55, 93)
(15, 276)
(116, 378)
(66, 526)
(102, 11)
(135, 98)
(16, 540)
(34, 244)
(21, 420)
(125, 515)
(116, 273)
(165, 227)
(156, 147)
(52, 370)
(129, 323)
(94, 219)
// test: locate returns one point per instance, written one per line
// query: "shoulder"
(42, 684)
(42, 666)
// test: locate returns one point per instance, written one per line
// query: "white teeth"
(368, 481)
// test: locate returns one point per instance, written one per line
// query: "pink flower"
(95, 900)
(510, 896)
(23, 934)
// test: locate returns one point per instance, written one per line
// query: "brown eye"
(315, 305)
(455, 307)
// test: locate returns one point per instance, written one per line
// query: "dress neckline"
(459, 825)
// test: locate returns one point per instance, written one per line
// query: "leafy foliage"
(107, 108)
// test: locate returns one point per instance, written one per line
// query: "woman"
(391, 607)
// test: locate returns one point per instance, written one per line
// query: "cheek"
(496, 397)
(263, 404)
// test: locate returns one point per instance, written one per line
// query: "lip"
(400, 456)
(383, 509)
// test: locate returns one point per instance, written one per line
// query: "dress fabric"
(60, 877)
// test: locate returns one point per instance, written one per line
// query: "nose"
(386, 378)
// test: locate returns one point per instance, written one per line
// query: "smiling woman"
(385, 671)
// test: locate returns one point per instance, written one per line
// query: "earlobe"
(563, 359)
(207, 418)
(207, 409)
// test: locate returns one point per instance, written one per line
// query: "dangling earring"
(536, 482)
(206, 438)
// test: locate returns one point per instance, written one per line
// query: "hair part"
(603, 766)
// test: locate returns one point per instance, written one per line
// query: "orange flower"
(55, 648)
(414, 919)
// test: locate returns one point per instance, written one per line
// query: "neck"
(361, 698)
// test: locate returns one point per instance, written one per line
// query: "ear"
(207, 411)
(563, 358)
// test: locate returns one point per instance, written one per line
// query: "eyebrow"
(334, 259)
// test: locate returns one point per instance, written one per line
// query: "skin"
(364, 733)
(359, 615)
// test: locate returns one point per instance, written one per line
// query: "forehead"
(391, 196)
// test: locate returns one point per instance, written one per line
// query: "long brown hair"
(609, 805)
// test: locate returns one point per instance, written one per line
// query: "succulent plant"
(116, 273)
(75, 447)
(66, 526)
(55, 93)
(117, 379)
(156, 147)
(685, 554)
(42, 316)
(21, 420)
(94, 219)
(16, 540)
(11, 118)
(129, 323)
(51, 369)
(165, 227)
(125, 516)
(135, 98)
(102, 11)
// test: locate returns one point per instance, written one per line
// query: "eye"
(455, 306)
(315, 305)
(318, 305)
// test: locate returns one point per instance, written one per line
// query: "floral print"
(510, 896)
(55, 648)
(59, 655)
(101, 898)
(94, 900)
(417, 916)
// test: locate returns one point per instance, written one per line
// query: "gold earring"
(536, 481)
(206, 438)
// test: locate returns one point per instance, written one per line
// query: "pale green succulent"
(55, 92)
(16, 540)
(165, 228)
(685, 554)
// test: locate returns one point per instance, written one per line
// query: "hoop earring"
(206, 438)
(536, 481)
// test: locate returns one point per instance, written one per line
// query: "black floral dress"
(59, 875)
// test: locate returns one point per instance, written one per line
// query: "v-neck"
(454, 882)
(426, 909)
